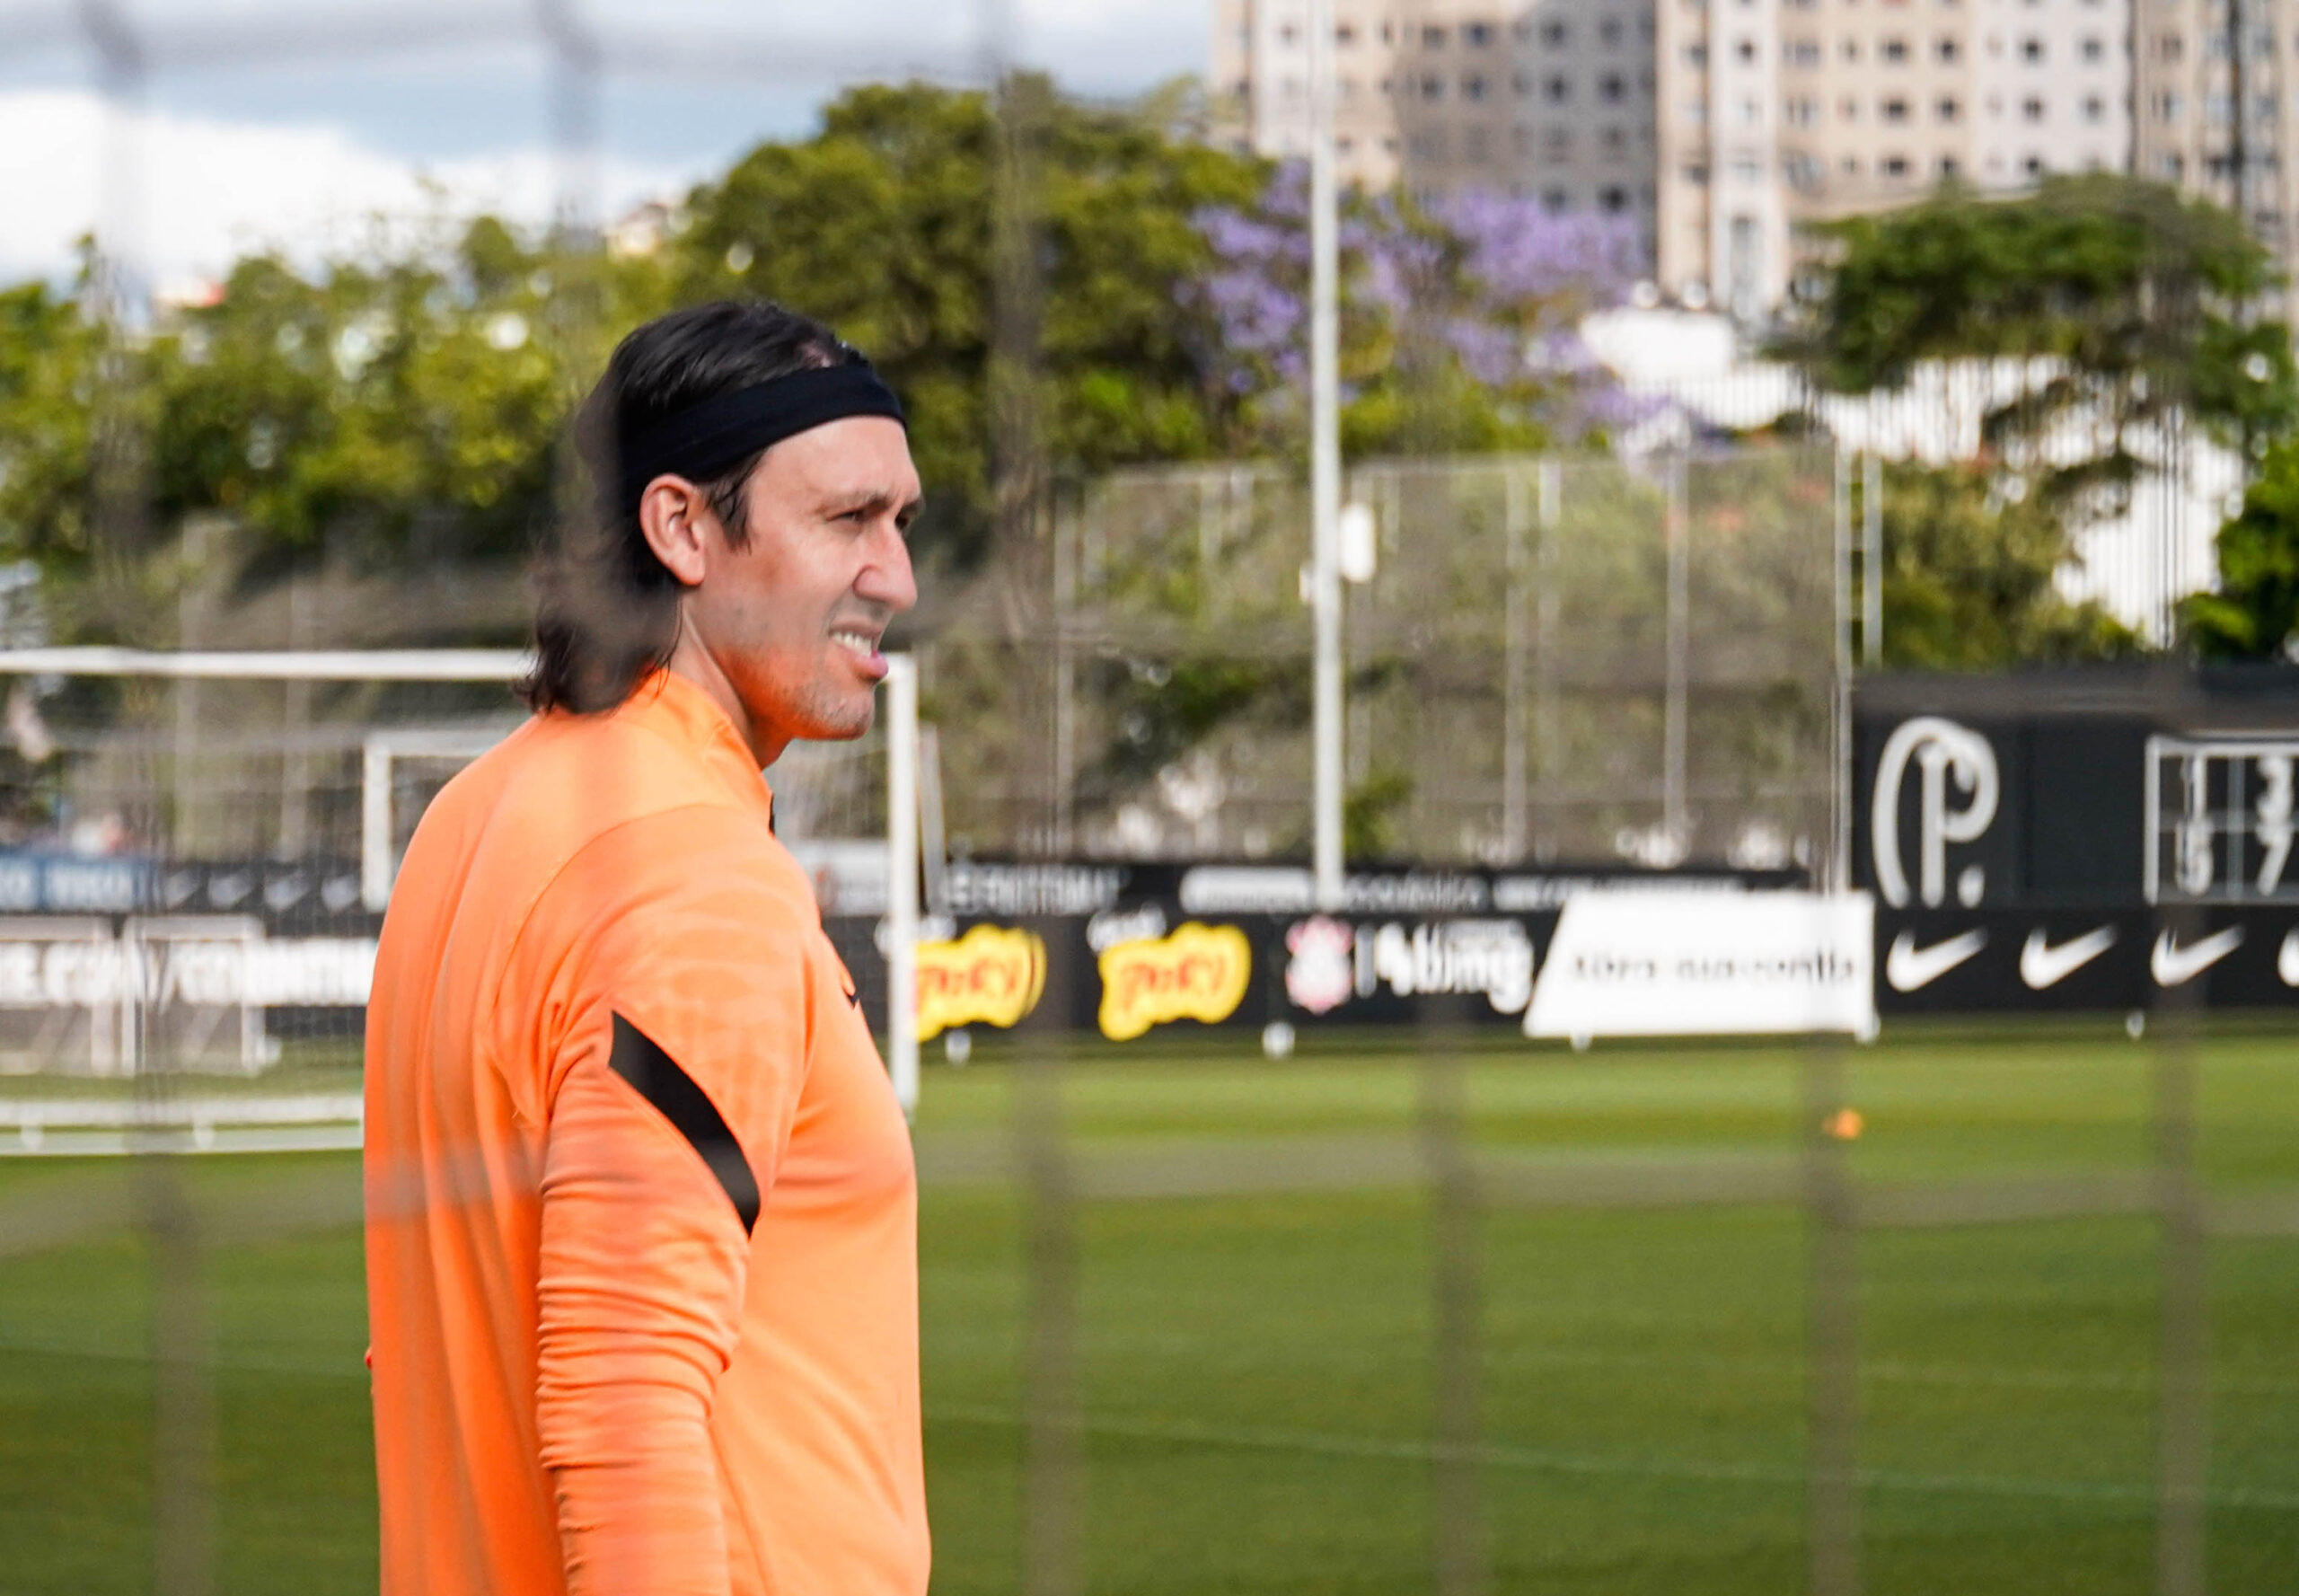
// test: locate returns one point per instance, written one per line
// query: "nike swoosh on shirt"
(2174, 966)
(1907, 967)
(2041, 964)
(2286, 959)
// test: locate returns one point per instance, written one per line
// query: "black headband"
(704, 439)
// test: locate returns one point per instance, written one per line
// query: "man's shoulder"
(572, 777)
(563, 785)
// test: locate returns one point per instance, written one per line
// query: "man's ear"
(675, 515)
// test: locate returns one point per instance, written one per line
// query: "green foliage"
(48, 355)
(2129, 301)
(2254, 613)
(1370, 814)
(1969, 577)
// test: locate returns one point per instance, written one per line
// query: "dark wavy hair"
(606, 611)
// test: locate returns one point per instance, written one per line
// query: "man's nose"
(887, 579)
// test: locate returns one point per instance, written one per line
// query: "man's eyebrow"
(877, 501)
(874, 501)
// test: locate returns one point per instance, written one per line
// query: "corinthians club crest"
(1318, 976)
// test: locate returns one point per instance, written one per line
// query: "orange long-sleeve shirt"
(641, 1213)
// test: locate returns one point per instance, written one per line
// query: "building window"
(1558, 89)
(1287, 33)
(1616, 142)
(2095, 110)
(1801, 113)
(2170, 47)
(1697, 176)
(1850, 50)
(1429, 146)
(1610, 31)
(1747, 49)
(1947, 51)
(1895, 51)
(1948, 110)
(1852, 166)
(1472, 87)
(1555, 199)
(1477, 35)
(2032, 51)
(1847, 109)
(1896, 166)
(2170, 107)
(1343, 144)
(1344, 35)
(1612, 86)
(1432, 39)
(1560, 142)
(1748, 171)
(1695, 55)
(1555, 35)
(1803, 52)
(1432, 88)
(1896, 110)
(2031, 110)
(1613, 201)
(1950, 167)
(2093, 50)
(2033, 167)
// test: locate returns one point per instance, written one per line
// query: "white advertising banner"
(1678, 964)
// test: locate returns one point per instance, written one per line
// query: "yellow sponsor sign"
(992, 975)
(1200, 972)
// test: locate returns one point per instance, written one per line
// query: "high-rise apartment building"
(2219, 106)
(1550, 101)
(1720, 124)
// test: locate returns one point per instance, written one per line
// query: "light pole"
(1324, 455)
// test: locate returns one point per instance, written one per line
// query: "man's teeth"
(855, 640)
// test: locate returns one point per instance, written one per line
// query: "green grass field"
(1256, 1369)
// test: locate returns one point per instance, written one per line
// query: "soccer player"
(641, 1213)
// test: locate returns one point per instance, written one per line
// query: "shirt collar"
(677, 709)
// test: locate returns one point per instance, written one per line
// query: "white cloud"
(203, 191)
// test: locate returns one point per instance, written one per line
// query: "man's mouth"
(864, 646)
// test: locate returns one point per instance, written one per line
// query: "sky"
(293, 124)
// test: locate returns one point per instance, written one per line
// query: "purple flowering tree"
(1458, 319)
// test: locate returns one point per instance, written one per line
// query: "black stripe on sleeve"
(658, 1077)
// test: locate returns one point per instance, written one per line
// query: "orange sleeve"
(670, 1094)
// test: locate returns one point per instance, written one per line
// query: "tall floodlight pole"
(1324, 452)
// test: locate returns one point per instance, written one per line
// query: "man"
(641, 1233)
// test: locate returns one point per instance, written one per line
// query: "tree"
(2113, 307)
(1972, 561)
(1457, 318)
(2255, 612)
(882, 224)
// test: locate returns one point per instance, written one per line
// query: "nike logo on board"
(1907, 967)
(2175, 966)
(2286, 959)
(2041, 964)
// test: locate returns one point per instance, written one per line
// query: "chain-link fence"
(1263, 1298)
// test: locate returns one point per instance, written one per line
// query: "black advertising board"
(1995, 960)
(2093, 838)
